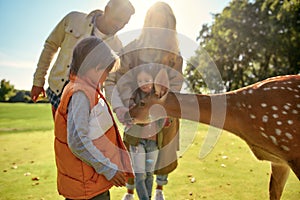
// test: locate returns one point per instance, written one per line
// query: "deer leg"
(295, 165)
(279, 176)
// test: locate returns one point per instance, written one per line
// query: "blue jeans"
(144, 157)
(162, 179)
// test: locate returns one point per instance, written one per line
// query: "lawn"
(230, 172)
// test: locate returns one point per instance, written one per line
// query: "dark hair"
(150, 68)
(89, 53)
(121, 6)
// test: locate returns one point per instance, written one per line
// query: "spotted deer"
(266, 115)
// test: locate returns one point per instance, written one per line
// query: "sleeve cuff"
(38, 83)
(110, 171)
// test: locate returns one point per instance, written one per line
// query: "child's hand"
(120, 112)
(167, 122)
(119, 179)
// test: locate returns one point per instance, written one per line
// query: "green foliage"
(28, 169)
(21, 96)
(249, 41)
(9, 94)
(6, 90)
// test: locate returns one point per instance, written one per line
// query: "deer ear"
(161, 83)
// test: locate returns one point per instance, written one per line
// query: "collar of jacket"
(95, 30)
(95, 13)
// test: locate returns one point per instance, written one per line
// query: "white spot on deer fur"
(297, 96)
(263, 134)
(274, 108)
(285, 148)
(279, 123)
(250, 91)
(290, 122)
(284, 112)
(295, 111)
(289, 88)
(273, 140)
(286, 107)
(284, 140)
(266, 89)
(265, 118)
(298, 86)
(262, 128)
(263, 105)
(252, 116)
(289, 136)
(278, 132)
(298, 105)
(249, 106)
(275, 116)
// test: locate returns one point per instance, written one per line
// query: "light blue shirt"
(79, 142)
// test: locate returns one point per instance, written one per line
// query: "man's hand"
(119, 179)
(36, 91)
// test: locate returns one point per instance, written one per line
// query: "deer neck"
(215, 110)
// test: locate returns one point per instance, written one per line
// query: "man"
(68, 32)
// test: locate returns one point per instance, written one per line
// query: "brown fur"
(266, 115)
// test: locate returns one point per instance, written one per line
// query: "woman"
(157, 45)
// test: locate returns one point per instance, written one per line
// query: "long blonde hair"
(159, 30)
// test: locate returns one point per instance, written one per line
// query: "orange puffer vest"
(76, 179)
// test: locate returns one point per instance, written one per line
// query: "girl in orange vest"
(90, 154)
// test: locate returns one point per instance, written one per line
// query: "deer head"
(151, 108)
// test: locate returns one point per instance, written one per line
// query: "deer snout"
(139, 118)
(146, 114)
(139, 115)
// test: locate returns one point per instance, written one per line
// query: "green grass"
(26, 136)
(20, 117)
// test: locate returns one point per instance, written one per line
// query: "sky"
(25, 25)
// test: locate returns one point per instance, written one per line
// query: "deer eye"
(142, 104)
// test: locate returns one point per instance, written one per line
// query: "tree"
(21, 96)
(6, 90)
(249, 41)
